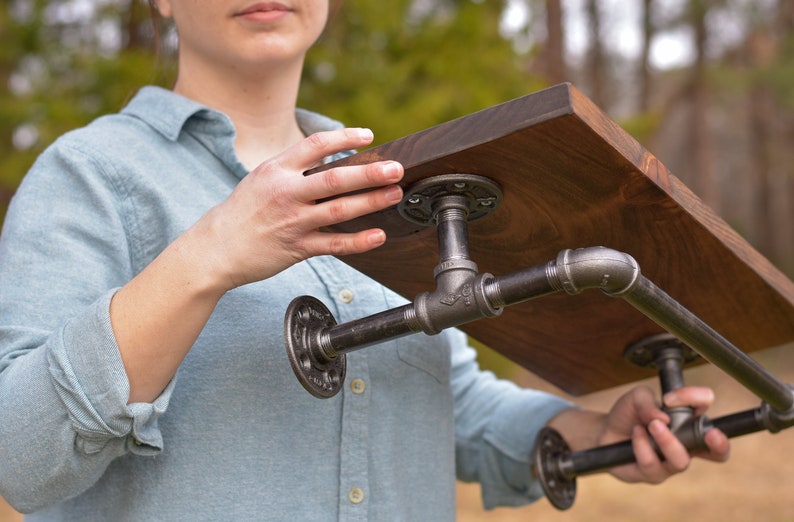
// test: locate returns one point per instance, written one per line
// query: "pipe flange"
(321, 374)
(549, 448)
(643, 353)
(480, 195)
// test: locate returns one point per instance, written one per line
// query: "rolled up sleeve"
(496, 425)
(92, 383)
(63, 389)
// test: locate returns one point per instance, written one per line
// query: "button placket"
(354, 479)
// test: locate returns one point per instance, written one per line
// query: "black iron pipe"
(373, 329)
(519, 286)
(606, 457)
(668, 313)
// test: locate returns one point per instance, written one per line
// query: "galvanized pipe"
(617, 274)
(668, 313)
(463, 296)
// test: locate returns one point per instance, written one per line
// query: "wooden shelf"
(573, 178)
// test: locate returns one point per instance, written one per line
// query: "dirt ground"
(755, 484)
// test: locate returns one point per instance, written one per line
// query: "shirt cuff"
(90, 379)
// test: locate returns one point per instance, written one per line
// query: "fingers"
(366, 188)
(345, 244)
(719, 448)
(343, 180)
(658, 452)
(310, 152)
(651, 468)
(698, 397)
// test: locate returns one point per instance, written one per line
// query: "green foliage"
(377, 66)
(642, 126)
(57, 75)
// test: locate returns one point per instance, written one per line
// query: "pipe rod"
(668, 313)
(606, 457)
(519, 286)
(373, 329)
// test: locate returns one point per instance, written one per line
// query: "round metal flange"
(481, 195)
(559, 489)
(643, 353)
(305, 320)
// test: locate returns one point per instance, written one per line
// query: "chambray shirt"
(234, 436)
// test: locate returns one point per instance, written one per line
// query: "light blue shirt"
(234, 436)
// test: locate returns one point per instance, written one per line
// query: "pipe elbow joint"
(774, 420)
(612, 271)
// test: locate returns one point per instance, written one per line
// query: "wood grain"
(573, 178)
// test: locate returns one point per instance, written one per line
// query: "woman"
(146, 263)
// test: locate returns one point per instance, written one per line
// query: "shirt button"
(345, 295)
(358, 386)
(356, 496)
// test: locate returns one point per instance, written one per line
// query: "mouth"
(263, 11)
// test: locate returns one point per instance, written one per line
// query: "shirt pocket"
(429, 354)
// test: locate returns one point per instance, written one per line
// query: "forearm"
(159, 314)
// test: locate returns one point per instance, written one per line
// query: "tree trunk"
(596, 62)
(553, 59)
(644, 66)
(701, 137)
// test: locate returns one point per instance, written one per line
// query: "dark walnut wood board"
(573, 178)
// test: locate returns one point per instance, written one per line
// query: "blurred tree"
(644, 65)
(701, 145)
(402, 66)
(65, 64)
(597, 67)
(552, 54)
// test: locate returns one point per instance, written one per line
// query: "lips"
(263, 8)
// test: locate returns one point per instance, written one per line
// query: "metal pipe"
(602, 458)
(373, 329)
(668, 313)
(618, 274)
(522, 285)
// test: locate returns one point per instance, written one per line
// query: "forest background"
(707, 86)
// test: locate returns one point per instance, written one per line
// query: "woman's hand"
(272, 219)
(637, 415)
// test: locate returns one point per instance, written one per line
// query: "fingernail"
(391, 170)
(376, 237)
(365, 134)
(656, 427)
(394, 194)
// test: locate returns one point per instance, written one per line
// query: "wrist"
(581, 429)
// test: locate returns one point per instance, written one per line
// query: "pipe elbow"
(612, 271)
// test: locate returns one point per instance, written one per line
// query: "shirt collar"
(168, 112)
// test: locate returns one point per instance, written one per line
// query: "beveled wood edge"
(515, 115)
(653, 169)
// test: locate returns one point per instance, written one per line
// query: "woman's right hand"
(273, 220)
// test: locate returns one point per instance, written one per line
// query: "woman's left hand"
(637, 415)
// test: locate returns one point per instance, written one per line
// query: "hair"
(157, 26)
